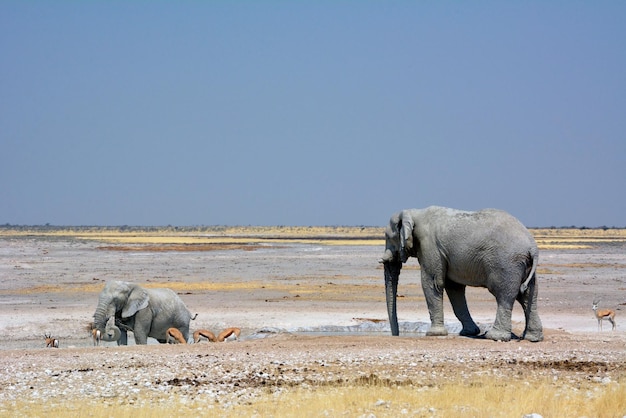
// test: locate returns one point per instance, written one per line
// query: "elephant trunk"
(111, 333)
(101, 319)
(104, 311)
(392, 274)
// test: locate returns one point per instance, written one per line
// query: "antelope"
(96, 334)
(602, 314)
(203, 333)
(174, 333)
(51, 342)
(228, 332)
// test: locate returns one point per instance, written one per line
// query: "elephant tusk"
(387, 256)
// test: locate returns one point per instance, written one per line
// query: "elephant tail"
(531, 274)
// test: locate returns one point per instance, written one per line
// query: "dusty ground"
(304, 309)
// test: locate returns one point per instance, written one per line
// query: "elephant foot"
(533, 337)
(470, 331)
(496, 335)
(437, 332)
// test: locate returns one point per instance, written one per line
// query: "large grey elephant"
(455, 249)
(124, 306)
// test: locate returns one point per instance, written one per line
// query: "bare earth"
(310, 314)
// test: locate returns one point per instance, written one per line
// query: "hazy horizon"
(191, 227)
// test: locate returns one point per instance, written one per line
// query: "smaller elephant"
(489, 248)
(145, 312)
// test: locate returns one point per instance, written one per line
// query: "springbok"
(51, 342)
(602, 314)
(96, 334)
(175, 334)
(204, 333)
(229, 332)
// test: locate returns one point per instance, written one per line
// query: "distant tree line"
(581, 228)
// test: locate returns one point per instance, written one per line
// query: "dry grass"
(176, 286)
(320, 289)
(207, 238)
(572, 238)
(480, 397)
(249, 237)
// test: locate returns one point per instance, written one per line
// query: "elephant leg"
(505, 298)
(505, 292)
(141, 338)
(528, 299)
(501, 330)
(456, 294)
(434, 301)
(123, 337)
(142, 325)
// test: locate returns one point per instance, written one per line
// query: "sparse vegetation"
(208, 238)
(481, 397)
(192, 238)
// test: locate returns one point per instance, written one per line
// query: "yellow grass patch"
(567, 239)
(552, 246)
(478, 397)
(76, 288)
(175, 286)
(211, 235)
(312, 288)
(552, 239)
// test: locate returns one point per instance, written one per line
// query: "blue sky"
(311, 113)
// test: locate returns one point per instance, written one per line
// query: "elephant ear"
(406, 231)
(394, 224)
(137, 300)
